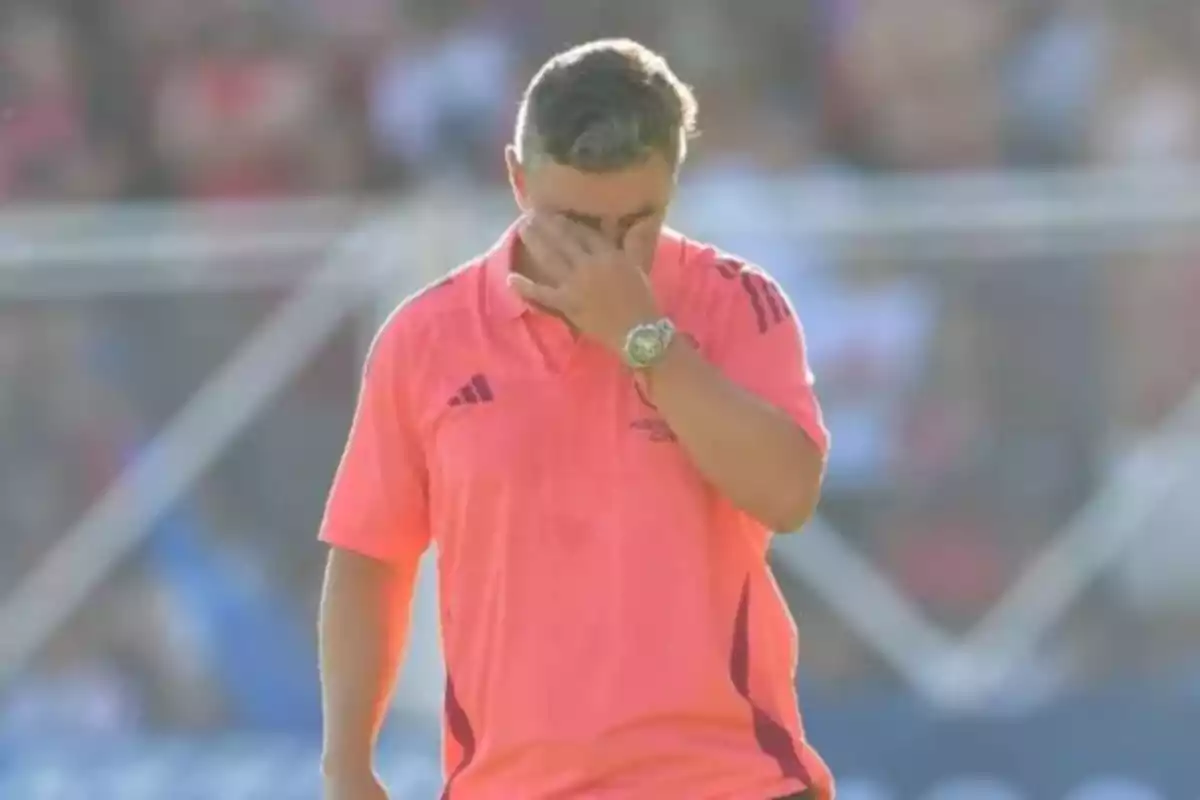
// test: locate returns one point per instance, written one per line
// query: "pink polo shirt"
(610, 626)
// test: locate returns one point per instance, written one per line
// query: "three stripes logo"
(770, 306)
(474, 392)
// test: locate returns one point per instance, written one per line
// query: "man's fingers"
(579, 241)
(546, 251)
(640, 242)
(585, 237)
(568, 237)
(536, 293)
(643, 236)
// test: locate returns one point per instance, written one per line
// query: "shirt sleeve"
(761, 348)
(378, 505)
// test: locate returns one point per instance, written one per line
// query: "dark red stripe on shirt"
(460, 728)
(751, 289)
(774, 301)
(728, 268)
(773, 739)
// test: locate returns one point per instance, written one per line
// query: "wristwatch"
(646, 344)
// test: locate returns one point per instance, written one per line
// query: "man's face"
(609, 202)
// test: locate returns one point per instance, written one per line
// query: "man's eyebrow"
(638, 216)
(596, 223)
(586, 220)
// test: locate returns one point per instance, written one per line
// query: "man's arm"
(363, 628)
(377, 525)
(752, 451)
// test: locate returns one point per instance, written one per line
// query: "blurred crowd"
(974, 411)
(266, 98)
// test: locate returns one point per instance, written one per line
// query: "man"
(598, 423)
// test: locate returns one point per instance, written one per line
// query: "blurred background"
(984, 210)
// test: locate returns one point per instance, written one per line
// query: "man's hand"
(594, 284)
(354, 787)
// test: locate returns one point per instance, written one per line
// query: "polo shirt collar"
(501, 299)
(506, 304)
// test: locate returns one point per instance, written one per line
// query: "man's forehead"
(646, 187)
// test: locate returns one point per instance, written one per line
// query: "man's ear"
(516, 177)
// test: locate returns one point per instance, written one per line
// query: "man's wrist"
(673, 364)
(337, 766)
(647, 342)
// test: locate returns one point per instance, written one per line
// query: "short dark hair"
(603, 106)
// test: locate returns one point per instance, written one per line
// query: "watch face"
(644, 345)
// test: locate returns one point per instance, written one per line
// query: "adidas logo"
(476, 391)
